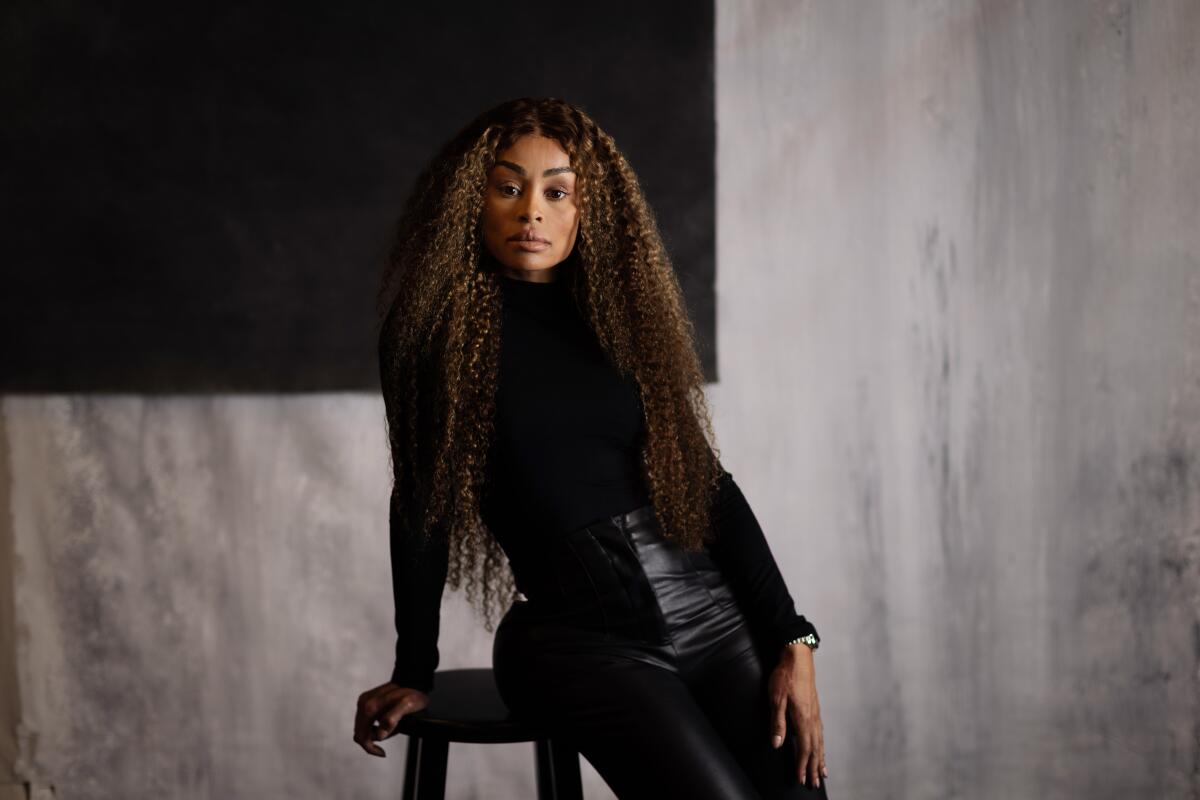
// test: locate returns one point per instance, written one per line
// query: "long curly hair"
(439, 340)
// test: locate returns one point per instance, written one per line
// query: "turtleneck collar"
(534, 296)
(532, 286)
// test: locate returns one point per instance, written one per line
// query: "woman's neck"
(547, 275)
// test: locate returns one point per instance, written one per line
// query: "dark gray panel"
(198, 198)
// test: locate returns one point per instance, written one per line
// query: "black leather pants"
(636, 653)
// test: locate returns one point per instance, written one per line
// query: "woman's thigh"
(731, 689)
(634, 720)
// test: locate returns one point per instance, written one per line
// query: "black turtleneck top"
(567, 427)
(566, 453)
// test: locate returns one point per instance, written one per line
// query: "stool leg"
(557, 771)
(425, 769)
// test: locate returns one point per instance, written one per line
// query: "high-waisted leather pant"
(635, 652)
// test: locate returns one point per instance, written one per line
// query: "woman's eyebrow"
(517, 168)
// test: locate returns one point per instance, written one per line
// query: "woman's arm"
(741, 551)
(418, 568)
(418, 576)
(418, 580)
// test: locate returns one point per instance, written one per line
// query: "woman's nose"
(530, 210)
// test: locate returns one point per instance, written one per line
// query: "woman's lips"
(530, 246)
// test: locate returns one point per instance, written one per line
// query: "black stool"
(465, 706)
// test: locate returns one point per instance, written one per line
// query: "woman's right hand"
(386, 703)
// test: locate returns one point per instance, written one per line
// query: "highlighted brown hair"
(439, 339)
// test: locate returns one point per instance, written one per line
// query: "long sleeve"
(418, 569)
(418, 580)
(741, 552)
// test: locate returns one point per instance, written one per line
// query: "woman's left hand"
(793, 692)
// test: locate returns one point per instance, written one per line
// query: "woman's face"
(531, 193)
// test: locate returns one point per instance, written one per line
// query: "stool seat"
(465, 706)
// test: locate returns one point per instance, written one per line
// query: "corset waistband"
(620, 574)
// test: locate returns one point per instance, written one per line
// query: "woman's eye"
(511, 190)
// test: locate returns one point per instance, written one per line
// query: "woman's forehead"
(520, 169)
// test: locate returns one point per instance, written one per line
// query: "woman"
(546, 415)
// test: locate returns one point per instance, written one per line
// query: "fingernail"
(778, 740)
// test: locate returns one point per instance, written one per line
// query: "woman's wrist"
(794, 649)
(800, 647)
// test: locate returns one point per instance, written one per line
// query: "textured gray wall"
(959, 307)
(959, 343)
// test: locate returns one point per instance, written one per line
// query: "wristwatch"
(808, 639)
